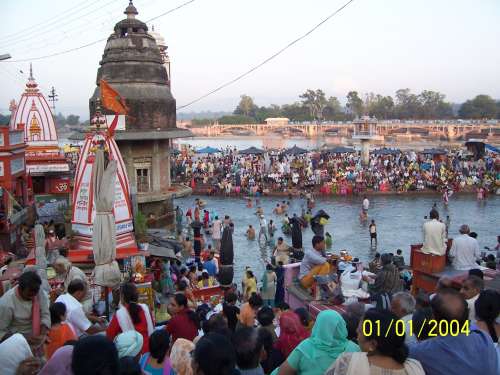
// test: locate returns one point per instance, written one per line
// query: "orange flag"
(112, 100)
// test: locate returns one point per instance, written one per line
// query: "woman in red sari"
(131, 316)
(292, 332)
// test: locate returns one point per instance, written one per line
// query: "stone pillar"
(166, 167)
(155, 166)
(128, 159)
(365, 151)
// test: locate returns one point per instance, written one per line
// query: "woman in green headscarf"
(314, 355)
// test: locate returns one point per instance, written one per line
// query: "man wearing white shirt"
(464, 250)
(434, 235)
(75, 314)
(366, 204)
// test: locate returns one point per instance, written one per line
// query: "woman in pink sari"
(292, 332)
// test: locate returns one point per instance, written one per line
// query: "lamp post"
(5, 57)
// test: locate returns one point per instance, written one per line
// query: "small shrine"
(83, 200)
(46, 164)
(365, 130)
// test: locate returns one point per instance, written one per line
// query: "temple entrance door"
(38, 184)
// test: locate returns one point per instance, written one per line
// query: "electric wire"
(274, 55)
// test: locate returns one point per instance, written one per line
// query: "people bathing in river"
(262, 227)
(281, 251)
(373, 233)
(249, 284)
(250, 233)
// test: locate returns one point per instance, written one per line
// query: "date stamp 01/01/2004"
(433, 328)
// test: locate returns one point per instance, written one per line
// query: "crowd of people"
(276, 172)
(253, 339)
(251, 330)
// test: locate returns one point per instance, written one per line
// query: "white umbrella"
(106, 272)
(40, 256)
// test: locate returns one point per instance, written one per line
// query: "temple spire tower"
(132, 64)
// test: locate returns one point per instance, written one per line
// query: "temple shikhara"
(46, 165)
(136, 65)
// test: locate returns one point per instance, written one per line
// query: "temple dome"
(133, 65)
(34, 114)
(160, 40)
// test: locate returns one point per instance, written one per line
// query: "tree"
(246, 106)
(354, 104)
(482, 106)
(296, 112)
(236, 119)
(60, 120)
(201, 121)
(381, 107)
(315, 101)
(407, 105)
(4, 120)
(433, 105)
(265, 112)
(333, 110)
(72, 120)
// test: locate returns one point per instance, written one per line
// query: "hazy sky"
(373, 45)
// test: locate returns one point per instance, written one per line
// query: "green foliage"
(72, 120)
(202, 121)
(246, 107)
(334, 110)
(354, 104)
(405, 105)
(315, 101)
(237, 119)
(481, 107)
(262, 113)
(60, 120)
(296, 112)
(4, 120)
(381, 107)
(140, 226)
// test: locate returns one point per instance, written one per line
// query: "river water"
(399, 221)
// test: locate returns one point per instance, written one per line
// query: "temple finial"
(31, 71)
(131, 11)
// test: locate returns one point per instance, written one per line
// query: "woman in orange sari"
(60, 331)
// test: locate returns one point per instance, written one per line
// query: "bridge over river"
(450, 131)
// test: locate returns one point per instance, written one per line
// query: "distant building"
(278, 121)
(162, 46)
(14, 193)
(365, 130)
(46, 164)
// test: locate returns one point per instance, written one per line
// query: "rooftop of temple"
(133, 65)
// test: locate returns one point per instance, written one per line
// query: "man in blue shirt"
(462, 354)
(210, 265)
